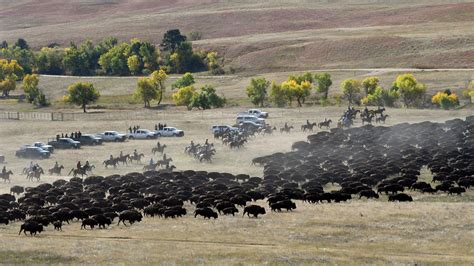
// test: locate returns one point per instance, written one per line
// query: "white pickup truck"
(258, 113)
(142, 134)
(112, 136)
(169, 132)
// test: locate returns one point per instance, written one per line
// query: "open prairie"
(432, 229)
(266, 36)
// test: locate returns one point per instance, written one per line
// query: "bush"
(445, 100)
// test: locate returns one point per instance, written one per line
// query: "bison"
(254, 210)
(206, 213)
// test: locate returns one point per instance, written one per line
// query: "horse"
(6, 176)
(159, 149)
(286, 129)
(164, 162)
(137, 157)
(378, 111)
(113, 162)
(368, 118)
(35, 174)
(56, 170)
(308, 127)
(381, 119)
(123, 159)
(325, 123)
(150, 167)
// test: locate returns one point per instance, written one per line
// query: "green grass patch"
(117, 99)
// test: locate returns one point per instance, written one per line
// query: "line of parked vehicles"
(40, 150)
(251, 120)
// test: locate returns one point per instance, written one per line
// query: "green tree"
(82, 94)
(257, 90)
(207, 99)
(172, 39)
(186, 80)
(324, 83)
(410, 90)
(134, 64)
(50, 61)
(30, 86)
(114, 61)
(184, 96)
(146, 91)
(10, 72)
(350, 88)
(158, 77)
(22, 44)
(278, 96)
(370, 84)
(75, 62)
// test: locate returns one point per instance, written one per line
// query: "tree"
(134, 64)
(50, 61)
(75, 62)
(370, 84)
(4, 45)
(410, 89)
(158, 78)
(114, 61)
(172, 39)
(30, 86)
(350, 88)
(324, 83)
(10, 72)
(277, 95)
(82, 94)
(184, 96)
(22, 44)
(186, 80)
(146, 91)
(257, 90)
(207, 99)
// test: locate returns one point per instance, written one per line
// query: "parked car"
(169, 132)
(65, 143)
(246, 117)
(112, 136)
(32, 152)
(43, 146)
(216, 129)
(258, 113)
(142, 134)
(88, 139)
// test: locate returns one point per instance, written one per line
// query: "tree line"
(175, 54)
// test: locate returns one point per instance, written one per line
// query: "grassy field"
(433, 229)
(266, 36)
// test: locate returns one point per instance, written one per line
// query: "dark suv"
(65, 143)
(32, 153)
(88, 139)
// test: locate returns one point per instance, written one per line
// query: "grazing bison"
(400, 197)
(131, 216)
(284, 204)
(369, 193)
(456, 190)
(206, 213)
(230, 210)
(254, 210)
(32, 227)
(88, 222)
(58, 225)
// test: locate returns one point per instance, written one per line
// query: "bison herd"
(360, 162)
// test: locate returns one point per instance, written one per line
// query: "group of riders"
(347, 119)
(74, 135)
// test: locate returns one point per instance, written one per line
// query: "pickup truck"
(112, 136)
(169, 132)
(43, 146)
(142, 134)
(258, 113)
(216, 129)
(65, 143)
(88, 139)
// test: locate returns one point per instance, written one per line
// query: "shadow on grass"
(34, 258)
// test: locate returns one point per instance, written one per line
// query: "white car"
(142, 134)
(246, 117)
(112, 136)
(43, 146)
(169, 132)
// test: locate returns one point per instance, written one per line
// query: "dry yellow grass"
(433, 229)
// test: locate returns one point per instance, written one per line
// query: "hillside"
(266, 36)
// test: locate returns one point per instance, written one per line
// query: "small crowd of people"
(73, 135)
(159, 126)
(133, 129)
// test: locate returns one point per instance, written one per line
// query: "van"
(243, 118)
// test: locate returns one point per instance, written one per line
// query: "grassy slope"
(267, 36)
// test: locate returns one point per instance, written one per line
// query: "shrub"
(445, 100)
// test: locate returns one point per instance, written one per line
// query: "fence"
(37, 116)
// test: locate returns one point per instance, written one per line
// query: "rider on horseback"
(79, 166)
(152, 162)
(4, 170)
(56, 165)
(135, 153)
(86, 166)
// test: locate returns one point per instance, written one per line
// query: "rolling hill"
(266, 36)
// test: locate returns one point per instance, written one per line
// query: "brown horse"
(56, 170)
(6, 176)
